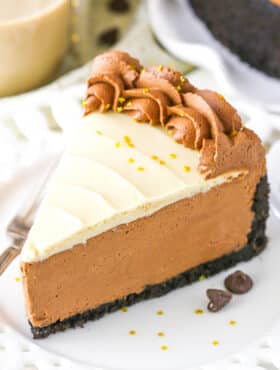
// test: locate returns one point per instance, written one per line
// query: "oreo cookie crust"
(249, 28)
(256, 242)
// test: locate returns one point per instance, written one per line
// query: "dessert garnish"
(218, 299)
(238, 282)
(199, 119)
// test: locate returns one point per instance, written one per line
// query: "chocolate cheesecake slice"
(160, 183)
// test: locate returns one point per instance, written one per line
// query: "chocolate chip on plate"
(238, 282)
(218, 299)
(109, 37)
(119, 6)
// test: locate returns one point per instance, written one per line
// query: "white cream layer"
(113, 171)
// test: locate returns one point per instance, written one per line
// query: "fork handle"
(7, 257)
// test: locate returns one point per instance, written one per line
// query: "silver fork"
(19, 227)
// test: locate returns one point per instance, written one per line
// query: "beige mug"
(33, 39)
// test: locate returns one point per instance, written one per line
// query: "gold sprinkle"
(187, 168)
(98, 132)
(162, 162)
(178, 88)
(160, 334)
(172, 156)
(232, 323)
(142, 70)
(233, 133)
(199, 311)
(127, 139)
(145, 90)
(83, 103)
(215, 342)
(140, 168)
(201, 277)
(17, 279)
(160, 68)
(170, 132)
(124, 309)
(182, 79)
(164, 348)
(118, 144)
(160, 312)
(120, 109)
(107, 106)
(181, 113)
(132, 332)
(75, 37)
(131, 160)
(121, 99)
(128, 104)
(154, 157)
(222, 96)
(132, 66)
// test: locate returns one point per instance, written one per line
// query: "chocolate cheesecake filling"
(148, 257)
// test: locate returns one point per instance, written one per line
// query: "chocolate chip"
(218, 299)
(119, 6)
(109, 37)
(238, 282)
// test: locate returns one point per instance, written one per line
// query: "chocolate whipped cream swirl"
(112, 73)
(199, 119)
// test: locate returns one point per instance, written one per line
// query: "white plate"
(107, 343)
(185, 36)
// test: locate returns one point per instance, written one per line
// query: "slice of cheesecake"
(160, 183)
